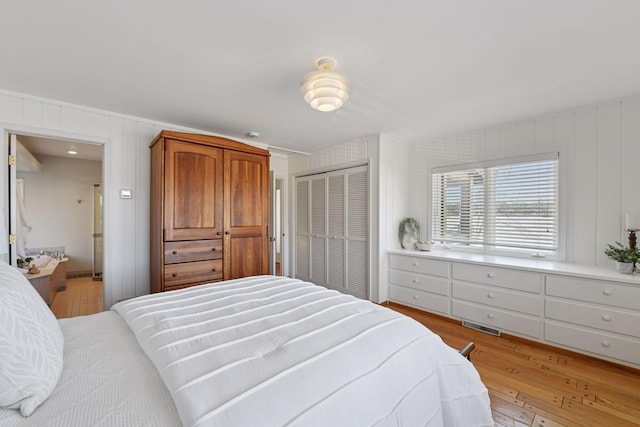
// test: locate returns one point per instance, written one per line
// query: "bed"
(259, 351)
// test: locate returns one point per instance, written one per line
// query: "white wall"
(599, 150)
(126, 165)
(56, 216)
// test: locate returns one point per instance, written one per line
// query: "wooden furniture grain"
(209, 210)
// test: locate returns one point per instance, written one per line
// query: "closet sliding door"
(332, 230)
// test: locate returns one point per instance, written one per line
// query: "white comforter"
(272, 351)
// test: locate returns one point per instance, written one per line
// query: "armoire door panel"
(246, 214)
(193, 191)
(246, 189)
(248, 258)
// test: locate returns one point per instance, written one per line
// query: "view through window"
(506, 205)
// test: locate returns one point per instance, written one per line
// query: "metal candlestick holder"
(632, 242)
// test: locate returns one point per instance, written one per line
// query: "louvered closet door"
(303, 235)
(319, 230)
(332, 230)
(336, 224)
(357, 240)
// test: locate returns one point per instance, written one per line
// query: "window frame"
(484, 247)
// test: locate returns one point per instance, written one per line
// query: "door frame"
(6, 129)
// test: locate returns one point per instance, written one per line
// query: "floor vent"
(481, 328)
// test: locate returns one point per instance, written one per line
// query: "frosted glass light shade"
(325, 90)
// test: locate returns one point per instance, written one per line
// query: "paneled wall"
(126, 165)
(599, 150)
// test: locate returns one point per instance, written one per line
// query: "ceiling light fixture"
(72, 152)
(325, 90)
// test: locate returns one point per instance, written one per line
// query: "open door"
(272, 222)
(13, 203)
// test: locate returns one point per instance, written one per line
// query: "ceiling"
(39, 146)
(419, 69)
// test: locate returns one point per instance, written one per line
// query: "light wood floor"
(529, 384)
(83, 296)
(541, 386)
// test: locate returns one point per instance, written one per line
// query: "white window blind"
(505, 205)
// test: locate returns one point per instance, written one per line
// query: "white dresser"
(420, 282)
(602, 318)
(585, 309)
(506, 299)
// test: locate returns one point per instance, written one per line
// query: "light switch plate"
(126, 193)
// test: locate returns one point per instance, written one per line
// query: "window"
(508, 205)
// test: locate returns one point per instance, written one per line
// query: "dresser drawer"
(593, 341)
(436, 285)
(194, 250)
(420, 265)
(600, 317)
(600, 292)
(503, 320)
(419, 299)
(496, 276)
(496, 297)
(192, 272)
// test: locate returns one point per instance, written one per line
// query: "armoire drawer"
(600, 317)
(497, 276)
(513, 322)
(419, 299)
(496, 297)
(192, 272)
(600, 292)
(420, 265)
(437, 285)
(192, 250)
(593, 341)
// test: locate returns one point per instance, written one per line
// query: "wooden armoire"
(209, 210)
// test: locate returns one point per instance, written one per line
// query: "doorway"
(62, 201)
(277, 245)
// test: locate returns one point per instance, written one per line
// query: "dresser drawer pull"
(415, 264)
(490, 316)
(416, 297)
(174, 252)
(607, 292)
(490, 295)
(605, 343)
(606, 317)
(175, 275)
(213, 249)
(491, 275)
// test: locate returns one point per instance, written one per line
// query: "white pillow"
(31, 344)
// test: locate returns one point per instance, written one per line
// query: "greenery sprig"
(621, 253)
